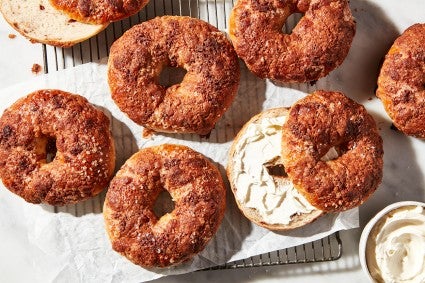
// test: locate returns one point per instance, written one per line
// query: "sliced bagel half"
(38, 21)
(262, 190)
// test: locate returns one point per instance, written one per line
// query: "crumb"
(147, 133)
(370, 98)
(71, 21)
(41, 7)
(312, 83)
(355, 9)
(12, 36)
(394, 128)
(36, 68)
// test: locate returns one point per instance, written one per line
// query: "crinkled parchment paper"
(70, 243)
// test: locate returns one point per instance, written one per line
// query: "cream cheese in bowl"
(392, 246)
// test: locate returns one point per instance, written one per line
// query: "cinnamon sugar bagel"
(197, 190)
(99, 11)
(401, 82)
(318, 44)
(54, 122)
(322, 121)
(38, 21)
(207, 90)
(262, 189)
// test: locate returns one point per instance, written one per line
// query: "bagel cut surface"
(38, 21)
(98, 11)
(261, 187)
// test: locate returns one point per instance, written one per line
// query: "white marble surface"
(378, 23)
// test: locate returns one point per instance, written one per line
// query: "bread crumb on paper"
(36, 69)
(12, 36)
(147, 133)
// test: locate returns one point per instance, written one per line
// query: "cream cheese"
(396, 246)
(259, 147)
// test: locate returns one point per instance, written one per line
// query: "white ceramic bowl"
(367, 229)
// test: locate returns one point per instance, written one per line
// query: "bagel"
(263, 196)
(401, 82)
(38, 21)
(207, 90)
(199, 196)
(318, 44)
(99, 11)
(322, 121)
(54, 122)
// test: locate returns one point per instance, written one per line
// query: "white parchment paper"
(72, 245)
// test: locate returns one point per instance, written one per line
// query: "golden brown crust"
(99, 11)
(317, 123)
(197, 190)
(401, 82)
(85, 157)
(251, 213)
(317, 45)
(194, 105)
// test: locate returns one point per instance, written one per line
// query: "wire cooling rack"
(326, 249)
(216, 12)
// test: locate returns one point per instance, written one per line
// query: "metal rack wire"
(326, 249)
(216, 12)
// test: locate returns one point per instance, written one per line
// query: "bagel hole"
(333, 153)
(171, 76)
(291, 22)
(164, 204)
(50, 149)
(277, 170)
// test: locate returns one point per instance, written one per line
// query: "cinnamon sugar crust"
(401, 82)
(318, 44)
(207, 90)
(317, 123)
(99, 11)
(197, 190)
(46, 121)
